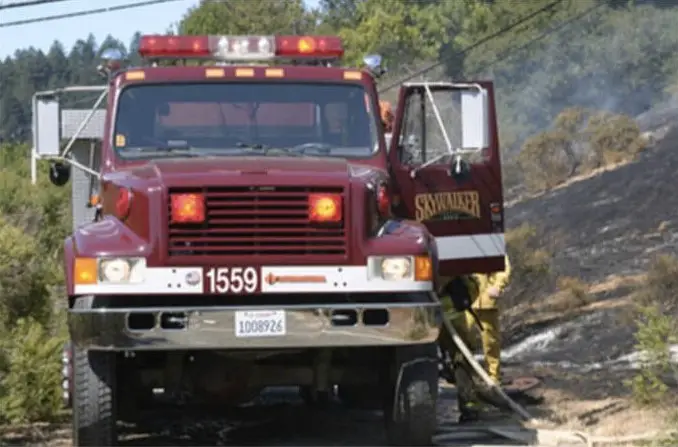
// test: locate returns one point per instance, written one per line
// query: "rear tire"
(410, 408)
(94, 399)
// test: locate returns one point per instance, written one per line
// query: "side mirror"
(475, 126)
(46, 125)
(373, 62)
(59, 173)
(111, 61)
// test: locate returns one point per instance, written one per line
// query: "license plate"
(260, 323)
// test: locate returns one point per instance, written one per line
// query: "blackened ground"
(611, 224)
(608, 224)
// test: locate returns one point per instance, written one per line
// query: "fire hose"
(530, 433)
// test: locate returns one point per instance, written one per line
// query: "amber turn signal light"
(85, 271)
(423, 268)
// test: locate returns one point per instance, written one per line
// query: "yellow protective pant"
(466, 396)
(491, 339)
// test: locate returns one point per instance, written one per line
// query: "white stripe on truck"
(471, 246)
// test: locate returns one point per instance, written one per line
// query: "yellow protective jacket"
(486, 281)
(471, 287)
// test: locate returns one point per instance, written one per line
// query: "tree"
(257, 18)
(403, 32)
(337, 14)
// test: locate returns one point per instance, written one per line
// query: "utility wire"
(85, 12)
(543, 35)
(474, 45)
(30, 3)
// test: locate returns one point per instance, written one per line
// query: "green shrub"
(528, 256)
(656, 331)
(34, 220)
(544, 160)
(579, 140)
(530, 263)
(30, 388)
(24, 291)
(613, 138)
(575, 292)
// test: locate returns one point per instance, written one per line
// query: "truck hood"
(200, 171)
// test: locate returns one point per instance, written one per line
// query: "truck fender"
(69, 255)
(409, 235)
(108, 237)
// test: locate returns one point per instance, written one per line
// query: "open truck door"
(446, 169)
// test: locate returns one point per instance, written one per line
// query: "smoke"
(617, 60)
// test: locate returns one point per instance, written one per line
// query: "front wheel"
(317, 399)
(410, 408)
(94, 400)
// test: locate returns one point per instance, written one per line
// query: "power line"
(85, 12)
(474, 45)
(30, 3)
(543, 35)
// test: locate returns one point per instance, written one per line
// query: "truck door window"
(424, 139)
(410, 144)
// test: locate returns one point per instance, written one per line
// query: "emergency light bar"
(247, 48)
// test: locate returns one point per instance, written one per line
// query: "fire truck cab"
(241, 224)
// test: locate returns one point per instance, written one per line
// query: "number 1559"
(232, 280)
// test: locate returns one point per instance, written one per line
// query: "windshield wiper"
(255, 146)
(267, 150)
(184, 151)
(321, 148)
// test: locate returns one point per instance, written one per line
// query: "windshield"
(158, 120)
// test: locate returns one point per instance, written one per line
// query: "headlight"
(391, 268)
(122, 270)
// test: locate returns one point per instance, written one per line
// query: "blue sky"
(120, 24)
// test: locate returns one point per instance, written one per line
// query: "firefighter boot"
(469, 410)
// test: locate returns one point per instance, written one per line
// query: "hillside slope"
(612, 223)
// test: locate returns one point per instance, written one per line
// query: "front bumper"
(307, 326)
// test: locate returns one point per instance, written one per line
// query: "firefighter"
(470, 302)
(457, 296)
(387, 117)
(490, 287)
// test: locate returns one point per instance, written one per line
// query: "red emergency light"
(187, 208)
(241, 48)
(324, 208)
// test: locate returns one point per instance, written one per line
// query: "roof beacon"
(241, 48)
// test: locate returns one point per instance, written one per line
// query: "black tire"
(321, 399)
(94, 399)
(362, 397)
(410, 410)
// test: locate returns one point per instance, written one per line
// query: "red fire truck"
(240, 223)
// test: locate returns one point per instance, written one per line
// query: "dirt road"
(280, 420)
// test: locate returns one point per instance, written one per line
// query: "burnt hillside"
(615, 222)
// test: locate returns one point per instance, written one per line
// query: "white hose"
(531, 436)
(459, 343)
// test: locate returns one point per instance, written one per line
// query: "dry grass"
(596, 403)
(579, 298)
